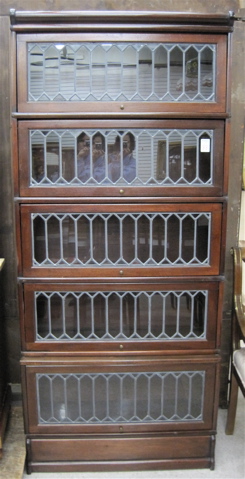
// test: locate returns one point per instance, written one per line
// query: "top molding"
(146, 20)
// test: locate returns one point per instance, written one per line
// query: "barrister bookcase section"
(120, 179)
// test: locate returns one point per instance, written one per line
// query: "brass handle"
(121, 192)
(121, 272)
(122, 107)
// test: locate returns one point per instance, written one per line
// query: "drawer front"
(119, 453)
(121, 318)
(123, 395)
(120, 73)
(121, 241)
(121, 158)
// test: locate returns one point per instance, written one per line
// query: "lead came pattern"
(121, 72)
(97, 316)
(114, 398)
(139, 157)
(109, 239)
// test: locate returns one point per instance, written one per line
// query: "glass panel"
(121, 72)
(111, 398)
(142, 239)
(93, 316)
(121, 157)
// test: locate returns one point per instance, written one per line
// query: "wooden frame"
(118, 192)
(124, 271)
(118, 108)
(214, 290)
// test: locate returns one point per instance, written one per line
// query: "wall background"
(7, 227)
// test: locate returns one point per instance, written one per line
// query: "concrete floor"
(229, 457)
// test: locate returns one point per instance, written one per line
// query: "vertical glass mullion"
(121, 395)
(121, 157)
(195, 237)
(168, 72)
(199, 74)
(189, 395)
(91, 218)
(135, 379)
(153, 71)
(192, 298)
(107, 380)
(150, 218)
(182, 156)
(106, 240)
(149, 396)
(135, 218)
(178, 315)
(162, 395)
(181, 246)
(166, 237)
(49, 315)
(121, 333)
(63, 315)
(122, 236)
(107, 332)
(149, 313)
(75, 220)
(61, 229)
(78, 322)
(46, 237)
(198, 157)
(75, 157)
(59, 68)
(184, 72)
(45, 157)
(93, 378)
(164, 312)
(167, 156)
(135, 313)
(60, 158)
(92, 317)
(152, 156)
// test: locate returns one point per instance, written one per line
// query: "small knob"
(121, 272)
(121, 429)
(121, 192)
(121, 346)
(122, 107)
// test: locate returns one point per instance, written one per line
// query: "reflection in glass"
(121, 157)
(107, 398)
(137, 239)
(93, 316)
(121, 72)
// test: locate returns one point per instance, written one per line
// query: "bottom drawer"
(119, 453)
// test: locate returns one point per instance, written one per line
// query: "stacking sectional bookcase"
(121, 253)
